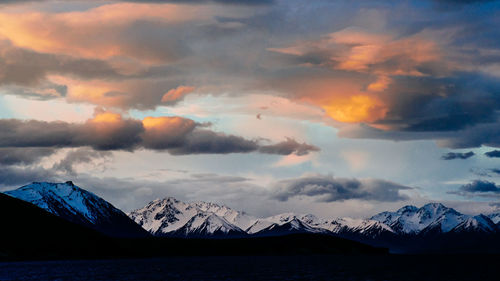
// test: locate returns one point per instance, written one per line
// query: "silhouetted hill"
(28, 231)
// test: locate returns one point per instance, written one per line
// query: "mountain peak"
(406, 209)
(435, 206)
(78, 205)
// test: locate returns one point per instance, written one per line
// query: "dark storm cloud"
(493, 154)
(476, 136)
(288, 147)
(108, 131)
(457, 155)
(429, 104)
(329, 189)
(23, 156)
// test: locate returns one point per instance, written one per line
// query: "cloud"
(288, 147)
(496, 171)
(110, 131)
(329, 189)
(79, 156)
(205, 141)
(480, 186)
(457, 155)
(354, 50)
(16, 176)
(23, 156)
(229, 2)
(175, 95)
(122, 54)
(413, 75)
(26, 67)
(101, 32)
(493, 154)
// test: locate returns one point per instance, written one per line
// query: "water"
(336, 267)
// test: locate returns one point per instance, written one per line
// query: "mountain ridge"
(79, 206)
(430, 219)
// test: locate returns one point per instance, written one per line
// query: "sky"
(335, 108)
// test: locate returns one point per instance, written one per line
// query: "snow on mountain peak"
(495, 218)
(170, 215)
(430, 218)
(59, 198)
(77, 205)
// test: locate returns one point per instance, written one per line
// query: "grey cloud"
(82, 155)
(496, 171)
(329, 189)
(18, 133)
(205, 141)
(441, 104)
(178, 137)
(457, 155)
(493, 154)
(26, 67)
(480, 188)
(15, 176)
(288, 147)
(23, 156)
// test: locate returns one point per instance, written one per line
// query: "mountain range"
(171, 217)
(407, 229)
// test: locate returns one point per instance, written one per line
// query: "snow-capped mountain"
(208, 224)
(479, 223)
(413, 220)
(495, 218)
(285, 223)
(171, 217)
(433, 218)
(77, 205)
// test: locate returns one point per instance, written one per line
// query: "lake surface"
(335, 267)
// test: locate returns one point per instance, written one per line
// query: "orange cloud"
(354, 96)
(358, 108)
(106, 118)
(142, 94)
(164, 132)
(98, 32)
(174, 95)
